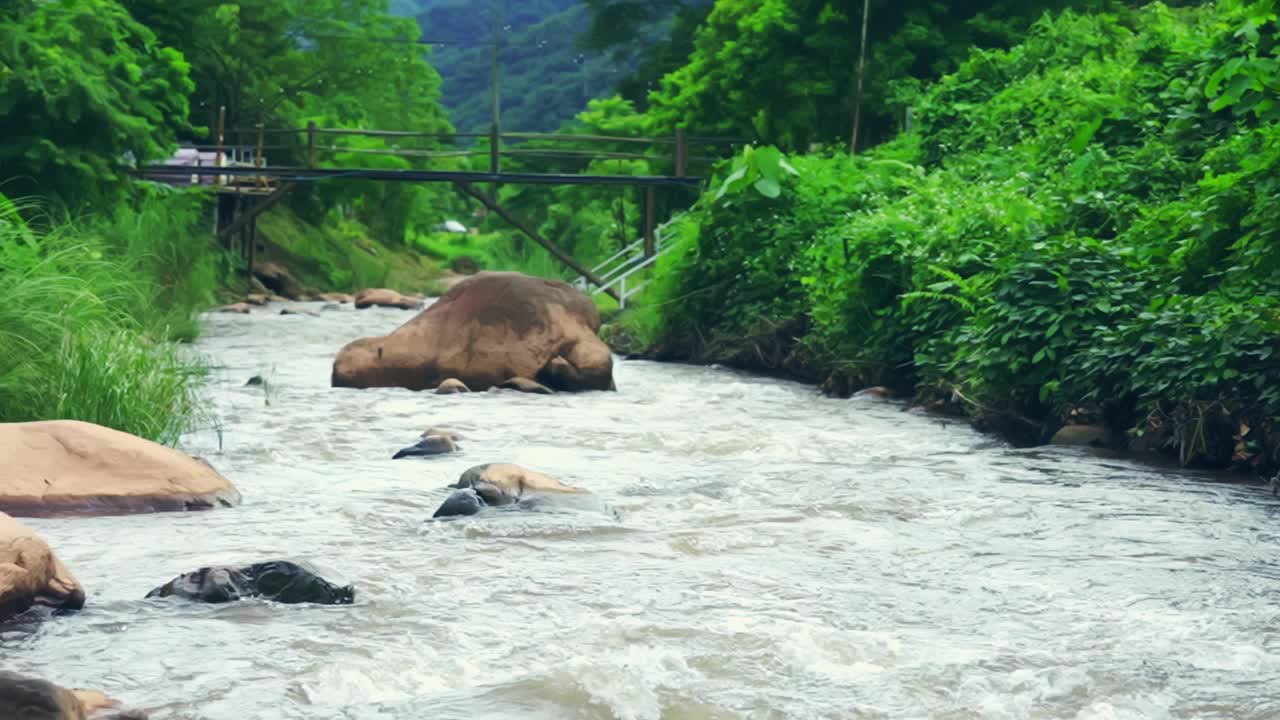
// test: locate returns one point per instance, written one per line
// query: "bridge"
(247, 186)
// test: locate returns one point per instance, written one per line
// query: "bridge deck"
(303, 174)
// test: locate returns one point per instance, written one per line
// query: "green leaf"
(768, 187)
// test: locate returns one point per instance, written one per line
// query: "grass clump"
(89, 312)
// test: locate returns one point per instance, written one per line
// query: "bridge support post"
(311, 144)
(529, 232)
(650, 242)
(682, 152)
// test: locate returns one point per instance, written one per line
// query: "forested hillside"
(550, 65)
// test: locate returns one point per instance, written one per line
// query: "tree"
(782, 71)
(85, 92)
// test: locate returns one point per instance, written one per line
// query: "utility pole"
(862, 65)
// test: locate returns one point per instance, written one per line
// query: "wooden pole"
(257, 160)
(494, 139)
(650, 243)
(862, 66)
(311, 144)
(682, 152)
(551, 247)
(222, 128)
(253, 244)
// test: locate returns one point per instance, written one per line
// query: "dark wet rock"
(525, 385)
(428, 446)
(276, 278)
(279, 581)
(26, 698)
(291, 311)
(464, 265)
(1083, 435)
(460, 503)
(452, 386)
(499, 484)
(255, 381)
(331, 306)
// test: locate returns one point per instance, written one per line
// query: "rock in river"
(452, 386)
(382, 297)
(278, 580)
(499, 484)
(24, 698)
(489, 328)
(31, 575)
(428, 446)
(65, 467)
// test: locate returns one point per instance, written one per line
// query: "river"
(775, 554)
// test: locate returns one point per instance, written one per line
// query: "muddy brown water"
(775, 554)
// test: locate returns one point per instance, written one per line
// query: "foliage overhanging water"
(778, 554)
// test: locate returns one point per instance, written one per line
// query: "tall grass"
(89, 309)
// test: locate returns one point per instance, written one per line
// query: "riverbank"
(1078, 231)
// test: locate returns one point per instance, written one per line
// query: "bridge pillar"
(650, 242)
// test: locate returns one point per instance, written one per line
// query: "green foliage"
(86, 312)
(1086, 222)
(85, 92)
(782, 70)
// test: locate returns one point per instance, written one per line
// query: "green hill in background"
(547, 76)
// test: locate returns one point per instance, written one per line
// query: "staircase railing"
(619, 270)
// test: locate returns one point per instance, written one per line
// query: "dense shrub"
(1085, 224)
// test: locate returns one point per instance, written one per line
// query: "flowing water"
(774, 554)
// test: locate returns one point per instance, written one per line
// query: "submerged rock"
(382, 297)
(452, 386)
(236, 309)
(31, 575)
(280, 581)
(499, 484)
(25, 698)
(428, 446)
(878, 392)
(66, 467)
(255, 381)
(525, 385)
(487, 329)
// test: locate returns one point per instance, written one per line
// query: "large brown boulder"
(382, 297)
(489, 328)
(30, 574)
(65, 467)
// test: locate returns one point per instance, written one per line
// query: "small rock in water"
(237, 309)
(498, 484)
(442, 432)
(26, 698)
(525, 385)
(426, 447)
(255, 381)
(278, 580)
(452, 386)
(879, 392)
(289, 311)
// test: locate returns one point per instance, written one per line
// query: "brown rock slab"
(237, 308)
(340, 298)
(65, 467)
(488, 329)
(878, 392)
(30, 574)
(382, 297)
